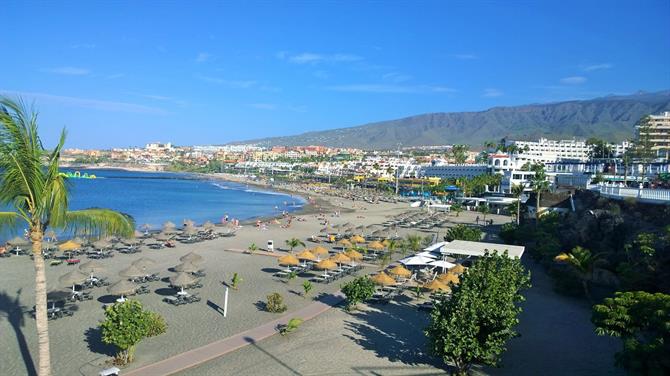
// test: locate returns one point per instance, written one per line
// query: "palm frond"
(7, 220)
(98, 222)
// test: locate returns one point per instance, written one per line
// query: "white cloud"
(492, 93)
(95, 104)
(391, 88)
(593, 67)
(68, 71)
(315, 58)
(236, 84)
(202, 57)
(573, 80)
(465, 56)
(264, 106)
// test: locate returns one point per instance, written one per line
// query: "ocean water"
(154, 198)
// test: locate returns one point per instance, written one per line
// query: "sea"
(153, 198)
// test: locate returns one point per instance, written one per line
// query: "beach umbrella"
(442, 264)
(320, 250)
(188, 223)
(56, 295)
(102, 244)
(69, 245)
(448, 278)
(186, 267)
(17, 241)
(191, 257)
(306, 255)
(209, 225)
(353, 254)
(132, 241)
(73, 278)
(345, 243)
(340, 258)
(51, 235)
(376, 246)
(143, 263)
(288, 260)
(383, 279)
(357, 239)
(91, 267)
(121, 288)
(137, 234)
(386, 242)
(400, 271)
(169, 224)
(169, 230)
(132, 272)
(326, 265)
(163, 237)
(416, 260)
(458, 269)
(190, 231)
(436, 285)
(181, 280)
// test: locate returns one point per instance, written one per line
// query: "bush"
(291, 326)
(358, 290)
(275, 303)
(463, 232)
(508, 233)
(156, 324)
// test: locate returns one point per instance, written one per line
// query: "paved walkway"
(195, 357)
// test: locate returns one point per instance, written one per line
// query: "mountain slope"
(611, 118)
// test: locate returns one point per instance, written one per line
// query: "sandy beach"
(377, 340)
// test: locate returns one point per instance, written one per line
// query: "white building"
(547, 151)
(454, 171)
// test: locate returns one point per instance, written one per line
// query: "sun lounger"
(112, 371)
(72, 261)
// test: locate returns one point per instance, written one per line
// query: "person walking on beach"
(477, 220)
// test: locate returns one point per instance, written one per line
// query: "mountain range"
(611, 118)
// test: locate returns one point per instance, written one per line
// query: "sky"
(124, 73)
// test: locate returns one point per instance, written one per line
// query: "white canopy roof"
(435, 247)
(442, 264)
(478, 249)
(416, 260)
(429, 254)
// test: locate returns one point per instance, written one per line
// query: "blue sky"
(125, 73)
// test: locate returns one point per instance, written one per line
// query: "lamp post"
(397, 172)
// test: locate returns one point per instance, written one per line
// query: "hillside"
(611, 118)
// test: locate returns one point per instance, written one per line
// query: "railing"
(653, 196)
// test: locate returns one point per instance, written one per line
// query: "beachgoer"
(477, 220)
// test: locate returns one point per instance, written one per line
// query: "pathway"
(195, 357)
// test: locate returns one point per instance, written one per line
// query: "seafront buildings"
(657, 133)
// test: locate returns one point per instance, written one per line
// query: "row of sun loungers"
(182, 299)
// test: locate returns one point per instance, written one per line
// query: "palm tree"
(252, 248)
(31, 184)
(393, 245)
(413, 242)
(294, 242)
(539, 184)
(583, 262)
(517, 191)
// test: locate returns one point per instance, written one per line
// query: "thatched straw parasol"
(400, 271)
(121, 288)
(190, 231)
(69, 246)
(319, 251)
(132, 272)
(169, 224)
(186, 267)
(163, 237)
(17, 241)
(189, 223)
(383, 279)
(357, 239)
(326, 265)
(288, 260)
(306, 255)
(340, 258)
(436, 285)
(73, 278)
(353, 254)
(209, 225)
(92, 267)
(448, 278)
(143, 263)
(458, 269)
(181, 280)
(191, 257)
(345, 243)
(376, 245)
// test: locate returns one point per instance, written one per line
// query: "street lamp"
(397, 171)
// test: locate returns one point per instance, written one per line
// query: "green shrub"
(157, 325)
(508, 233)
(275, 303)
(358, 290)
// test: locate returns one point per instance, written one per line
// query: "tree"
(307, 286)
(459, 153)
(485, 210)
(583, 262)
(463, 232)
(31, 185)
(252, 248)
(517, 191)
(599, 149)
(294, 242)
(358, 290)
(393, 245)
(275, 303)
(290, 326)
(126, 324)
(457, 208)
(413, 242)
(641, 320)
(644, 146)
(539, 184)
(475, 324)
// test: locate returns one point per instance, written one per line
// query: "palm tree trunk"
(537, 207)
(518, 210)
(44, 367)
